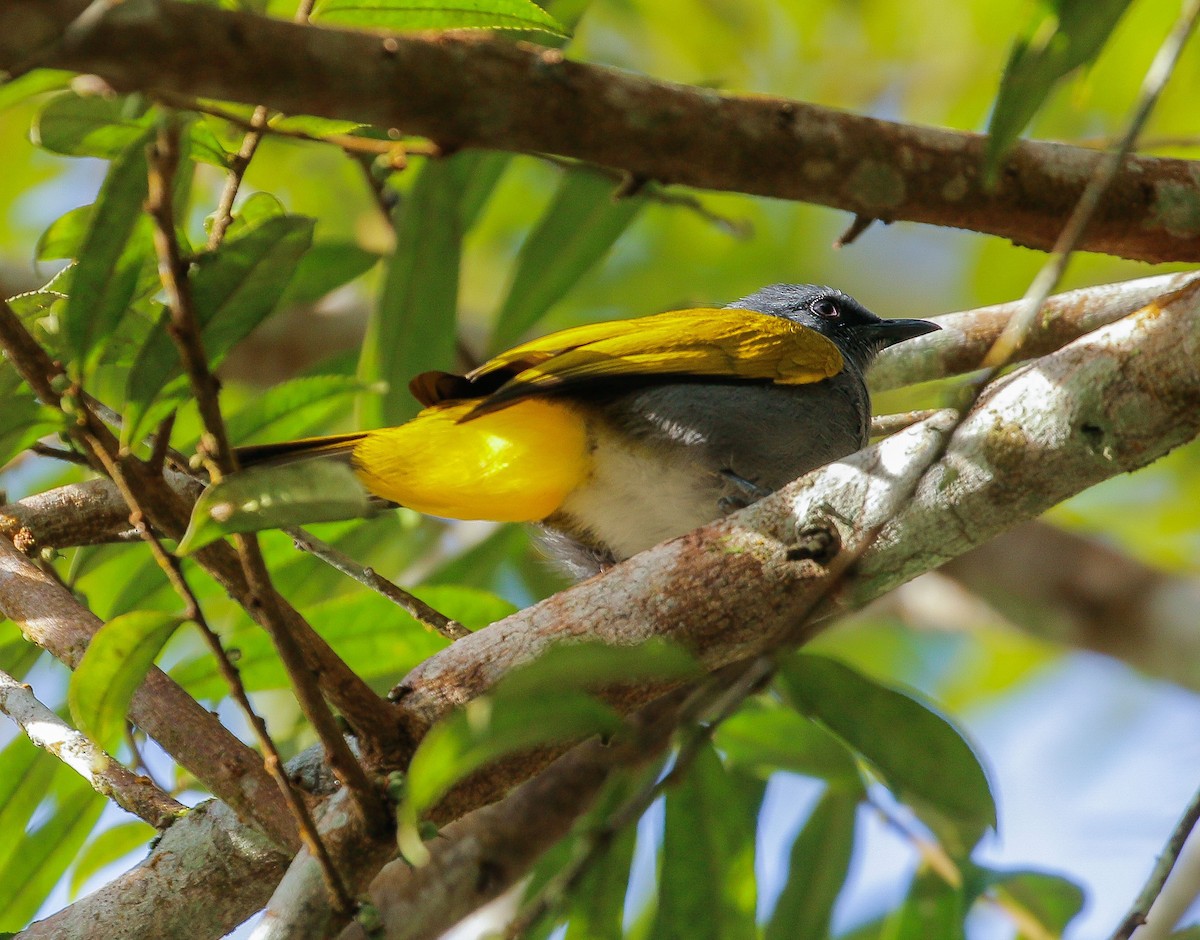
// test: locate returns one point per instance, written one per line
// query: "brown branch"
(50, 617)
(463, 91)
(133, 793)
(488, 851)
(205, 876)
(185, 331)
(416, 608)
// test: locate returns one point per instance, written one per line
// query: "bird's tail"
(288, 451)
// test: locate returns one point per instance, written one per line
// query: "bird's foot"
(746, 492)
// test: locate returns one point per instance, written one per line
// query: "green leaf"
(1052, 900)
(312, 126)
(437, 14)
(413, 327)
(284, 410)
(932, 909)
(324, 268)
(103, 282)
(1062, 36)
(817, 869)
(17, 654)
(26, 773)
(113, 666)
(97, 126)
(32, 83)
(252, 212)
(706, 887)
(46, 852)
(921, 757)
(42, 313)
(763, 740)
(234, 289)
(597, 908)
(581, 224)
(276, 497)
(109, 846)
(540, 703)
(23, 419)
(64, 236)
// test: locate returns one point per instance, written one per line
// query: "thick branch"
(183, 889)
(51, 618)
(471, 92)
(965, 338)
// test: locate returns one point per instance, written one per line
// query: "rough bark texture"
(464, 91)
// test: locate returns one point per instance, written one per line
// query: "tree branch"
(133, 793)
(205, 876)
(465, 91)
(51, 618)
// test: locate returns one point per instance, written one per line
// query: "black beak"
(890, 332)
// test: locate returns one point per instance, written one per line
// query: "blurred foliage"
(341, 278)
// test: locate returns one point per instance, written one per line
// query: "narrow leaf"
(598, 907)
(324, 268)
(283, 410)
(1062, 36)
(437, 14)
(540, 703)
(932, 909)
(1052, 900)
(921, 757)
(234, 290)
(706, 885)
(763, 740)
(817, 869)
(112, 668)
(414, 325)
(32, 83)
(45, 853)
(275, 497)
(96, 126)
(103, 281)
(581, 224)
(23, 419)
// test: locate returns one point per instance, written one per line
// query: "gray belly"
(660, 453)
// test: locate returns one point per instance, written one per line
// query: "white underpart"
(638, 496)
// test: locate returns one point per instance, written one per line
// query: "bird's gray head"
(858, 333)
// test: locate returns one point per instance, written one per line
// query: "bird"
(616, 436)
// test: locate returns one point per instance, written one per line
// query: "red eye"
(825, 308)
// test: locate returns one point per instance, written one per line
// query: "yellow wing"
(727, 343)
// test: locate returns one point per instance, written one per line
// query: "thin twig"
(132, 792)
(184, 330)
(271, 759)
(860, 224)
(1162, 868)
(425, 615)
(397, 151)
(240, 161)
